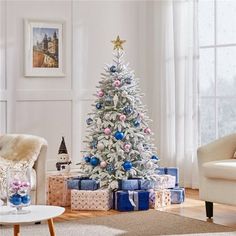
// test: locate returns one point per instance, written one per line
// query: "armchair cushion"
(18, 151)
(221, 169)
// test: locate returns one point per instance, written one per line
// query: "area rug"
(133, 223)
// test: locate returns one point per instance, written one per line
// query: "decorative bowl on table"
(18, 189)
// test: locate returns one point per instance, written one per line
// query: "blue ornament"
(127, 165)
(119, 135)
(128, 110)
(136, 123)
(110, 169)
(113, 69)
(89, 121)
(94, 161)
(94, 143)
(109, 101)
(87, 159)
(99, 106)
(155, 157)
(25, 199)
(15, 199)
(128, 80)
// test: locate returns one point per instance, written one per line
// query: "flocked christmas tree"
(118, 141)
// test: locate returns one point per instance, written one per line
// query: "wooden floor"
(192, 207)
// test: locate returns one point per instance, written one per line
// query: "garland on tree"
(118, 143)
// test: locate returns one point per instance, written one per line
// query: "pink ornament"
(103, 164)
(107, 131)
(141, 115)
(147, 131)
(16, 183)
(117, 83)
(127, 146)
(25, 184)
(122, 117)
(100, 93)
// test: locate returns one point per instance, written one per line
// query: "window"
(217, 69)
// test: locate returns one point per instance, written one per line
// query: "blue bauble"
(155, 157)
(128, 80)
(113, 69)
(136, 123)
(128, 110)
(94, 143)
(110, 169)
(119, 135)
(99, 106)
(87, 159)
(127, 165)
(94, 161)
(15, 199)
(89, 121)
(25, 199)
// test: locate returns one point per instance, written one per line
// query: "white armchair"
(217, 172)
(15, 148)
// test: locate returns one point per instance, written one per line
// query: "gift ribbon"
(133, 199)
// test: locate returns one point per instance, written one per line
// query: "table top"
(36, 213)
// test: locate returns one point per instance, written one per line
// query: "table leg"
(51, 227)
(16, 230)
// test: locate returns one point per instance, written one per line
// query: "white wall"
(52, 107)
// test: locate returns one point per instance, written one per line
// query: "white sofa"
(217, 172)
(14, 147)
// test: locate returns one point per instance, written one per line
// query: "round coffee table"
(37, 213)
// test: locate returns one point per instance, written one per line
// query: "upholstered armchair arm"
(40, 168)
(220, 149)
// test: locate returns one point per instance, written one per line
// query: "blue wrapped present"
(135, 184)
(82, 183)
(174, 171)
(177, 195)
(131, 200)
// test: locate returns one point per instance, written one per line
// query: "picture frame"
(44, 48)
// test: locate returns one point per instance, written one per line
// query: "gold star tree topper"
(118, 43)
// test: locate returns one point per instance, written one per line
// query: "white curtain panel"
(178, 79)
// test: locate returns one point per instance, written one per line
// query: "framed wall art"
(44, 49)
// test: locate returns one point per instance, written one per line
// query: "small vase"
(18, 189)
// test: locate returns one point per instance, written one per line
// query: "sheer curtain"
(178, 75)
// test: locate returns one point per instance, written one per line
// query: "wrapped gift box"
(162, 198)
(131, 200)
(57, 192)
(80, 183)
(91, 200)
(152, 198)
(135, 184)
(177, 195)
(174, 171)
(165, 181)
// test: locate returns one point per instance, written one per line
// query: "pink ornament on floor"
(147, 130)
(100, 93)
(107, 131)
(117, 83)
(122, 117)
(103, 164)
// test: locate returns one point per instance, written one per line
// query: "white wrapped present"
(91, 200)
(162, 198)
(165, 181)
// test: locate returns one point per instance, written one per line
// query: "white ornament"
(124, 94)
(149, 164)
(115, 100)
(100, 146)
